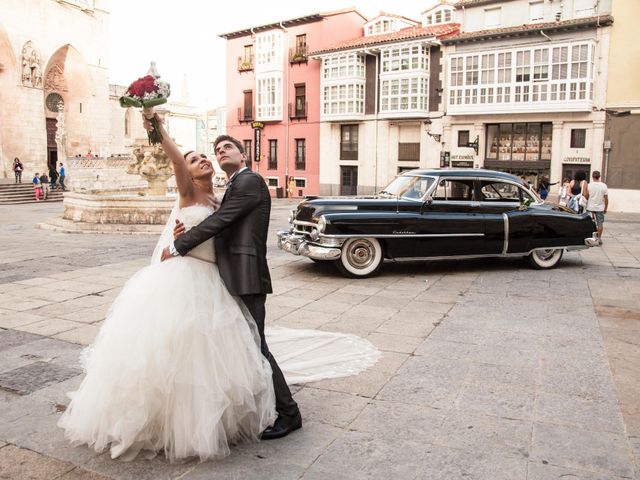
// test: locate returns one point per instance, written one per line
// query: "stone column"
(597, 145)
(557, 139)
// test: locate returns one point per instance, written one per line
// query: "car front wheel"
(360, 258)
(545, 258)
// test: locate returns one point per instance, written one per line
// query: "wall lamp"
(427, 128)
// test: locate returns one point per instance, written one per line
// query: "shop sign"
(257, 127)
(581, 160)
(463, 157)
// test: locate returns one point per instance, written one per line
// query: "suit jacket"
(240, 228)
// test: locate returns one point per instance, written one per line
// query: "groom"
(240, 228)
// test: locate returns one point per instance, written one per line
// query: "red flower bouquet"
(147, 92)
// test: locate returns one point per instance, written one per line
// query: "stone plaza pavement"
(490, 370)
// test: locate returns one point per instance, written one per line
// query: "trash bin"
(279, 192)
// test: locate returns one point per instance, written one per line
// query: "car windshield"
(408, 186)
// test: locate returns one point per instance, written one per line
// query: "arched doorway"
(68, 88)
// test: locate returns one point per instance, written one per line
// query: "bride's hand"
(166, 255)
(146, 123)
(178, 229)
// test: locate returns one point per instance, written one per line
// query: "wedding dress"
(177, 367)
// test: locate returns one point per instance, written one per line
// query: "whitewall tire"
(545, 258)
(360, 258)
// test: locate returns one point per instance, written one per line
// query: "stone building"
(51, 76)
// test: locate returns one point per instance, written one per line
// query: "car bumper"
(298, 245)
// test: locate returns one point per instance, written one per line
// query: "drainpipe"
(285, 112)
(375, 121)
(545, 35)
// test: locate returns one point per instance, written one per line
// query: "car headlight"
(292, 216)
(322, 224)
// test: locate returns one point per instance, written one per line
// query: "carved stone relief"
(54, 82)
(31, 66)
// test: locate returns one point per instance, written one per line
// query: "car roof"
(463, 172)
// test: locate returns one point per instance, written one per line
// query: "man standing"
(598, 202)
(17, 169)
(240, 228)
(63, 173)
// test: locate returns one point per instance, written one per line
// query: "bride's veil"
(167, 233)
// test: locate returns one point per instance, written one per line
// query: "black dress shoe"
(282, 427)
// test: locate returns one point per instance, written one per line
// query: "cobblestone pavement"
(490, 370)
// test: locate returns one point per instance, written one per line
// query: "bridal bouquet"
(147, 92)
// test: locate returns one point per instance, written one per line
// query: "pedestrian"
(578, 192)
(62, 175)
(543, 187)
(17, 169)
(598, 202)
(53, 176)
(564, 192)
(44, 182)
(37, 186)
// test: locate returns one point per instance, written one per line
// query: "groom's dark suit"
(240, 228)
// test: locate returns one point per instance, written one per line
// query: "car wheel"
(361, 257)
(545, 258)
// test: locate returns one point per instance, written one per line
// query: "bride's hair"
(188, 153)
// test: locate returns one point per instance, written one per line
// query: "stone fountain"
(127, 194)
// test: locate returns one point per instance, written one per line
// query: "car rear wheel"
(360, 258)
(545, 258)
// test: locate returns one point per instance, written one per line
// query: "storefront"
(523, 149)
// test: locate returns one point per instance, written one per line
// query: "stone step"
(31, 200)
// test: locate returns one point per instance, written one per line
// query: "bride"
(177, 366)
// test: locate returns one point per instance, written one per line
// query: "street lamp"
(427, 128)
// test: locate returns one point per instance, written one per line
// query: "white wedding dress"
(176, 366)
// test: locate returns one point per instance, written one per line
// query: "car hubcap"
(361, 254)
(545, 254)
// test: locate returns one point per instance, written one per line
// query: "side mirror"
(428, 200)
(524, 203)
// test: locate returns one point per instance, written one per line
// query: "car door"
(450, 223)
(507, 226)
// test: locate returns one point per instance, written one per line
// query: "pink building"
(273, 95)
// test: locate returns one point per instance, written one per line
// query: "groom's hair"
(228, 138)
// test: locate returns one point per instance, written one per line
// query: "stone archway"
(68, 89)
(9, 108)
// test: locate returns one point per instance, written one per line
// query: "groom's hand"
(166, 255)
(178, 229)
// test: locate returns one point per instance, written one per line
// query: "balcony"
(297, 113)
(298, 54)
(245, 64)
(245, 115)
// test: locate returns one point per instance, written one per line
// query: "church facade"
(54, 82)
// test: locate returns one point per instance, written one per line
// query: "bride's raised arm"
(183, 179)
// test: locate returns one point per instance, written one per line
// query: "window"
(541, 64)
(578, 137)
(536, 11)
(247, 111)
(488, 66)
(273, 155)
(584, 8)
(269, 98)
(272, 181)
(579, 58)
(454, 190)
(301, 44)
(492, 17)
(400, 94)
(301, 182)
(499, 192)
(248, 55)
(343, 98)
(343, 66)
(523, 66)
(463, 138)
(301, 149)
(519, 141)
(300, 107)
(269, 50)
(349, 142)
(409, 151)
(407, 57)
(471, 70)
(247, 151)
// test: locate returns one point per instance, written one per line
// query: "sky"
(182, 36)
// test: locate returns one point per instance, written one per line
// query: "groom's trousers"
(285, 404)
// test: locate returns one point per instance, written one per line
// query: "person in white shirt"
(598, 202)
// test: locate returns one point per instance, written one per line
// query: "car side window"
(493, 191)
(454, 190)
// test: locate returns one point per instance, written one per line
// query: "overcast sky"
(182, 37)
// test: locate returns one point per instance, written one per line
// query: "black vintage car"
(435, 214)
